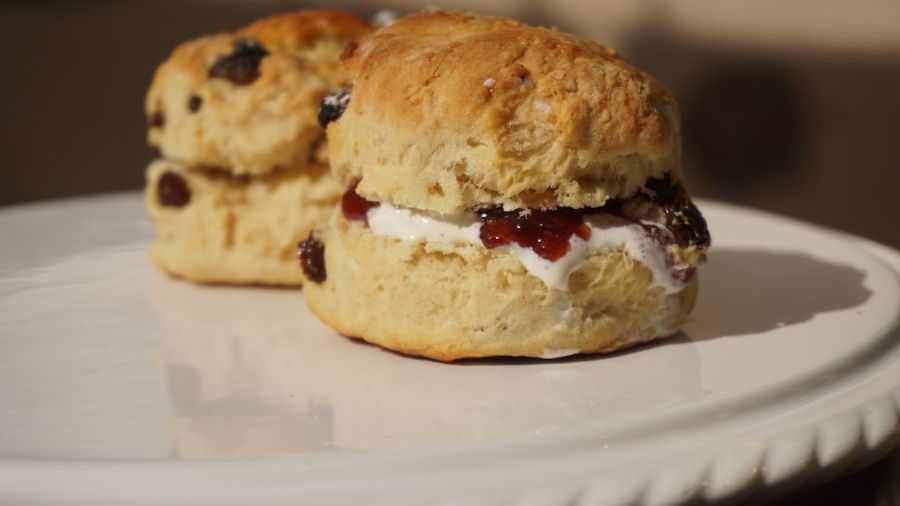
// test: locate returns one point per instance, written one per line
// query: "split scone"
(511, 190)
(235, 117)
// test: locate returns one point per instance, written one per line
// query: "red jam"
(548, 233)
(545, 232)
(353, 205)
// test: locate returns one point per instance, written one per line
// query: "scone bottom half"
(489, 282)
(213, 227)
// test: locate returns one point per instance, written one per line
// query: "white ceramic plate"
(120, 386)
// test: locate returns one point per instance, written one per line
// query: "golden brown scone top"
(302, 34)
(305, 30)
(261, 124)
(452, 111)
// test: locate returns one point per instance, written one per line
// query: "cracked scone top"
(246, 101)
(450, 111)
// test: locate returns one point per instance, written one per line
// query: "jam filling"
(312, 258)
(172, 190)
(548, 232)
(354, 206)
(242, 65)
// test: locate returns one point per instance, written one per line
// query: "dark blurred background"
(788, 106)
(792, 107)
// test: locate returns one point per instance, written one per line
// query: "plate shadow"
(750, 291)
(743, 292)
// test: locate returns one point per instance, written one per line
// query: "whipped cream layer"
(607, 232)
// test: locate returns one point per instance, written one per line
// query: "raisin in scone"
(214, 227)
(247, 101)
(243, 176)
(511, 190)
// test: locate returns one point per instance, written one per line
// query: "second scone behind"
(244, 174)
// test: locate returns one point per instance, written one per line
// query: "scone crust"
(238, 230)
(259, 127)
(450, 111)
(454, 301)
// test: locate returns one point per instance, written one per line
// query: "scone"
(511, 190)
(214, 227)
(235, 117)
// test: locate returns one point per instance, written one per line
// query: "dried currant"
(312, 258)
(683, 219)
(194, 103)
(242, 65)
(157, 119)
(172, 190)
(333, 107)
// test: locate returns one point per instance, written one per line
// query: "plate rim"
(837, 442)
